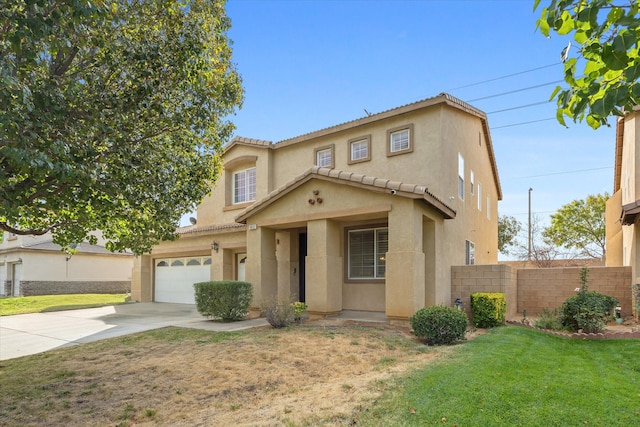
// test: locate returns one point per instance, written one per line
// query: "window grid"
(244, 186)
(367, 253)
(359, 150)
(323, 158)
(399, 140)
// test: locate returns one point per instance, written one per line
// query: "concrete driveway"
(26, 334)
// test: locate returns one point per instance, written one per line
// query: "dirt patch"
(320, 373)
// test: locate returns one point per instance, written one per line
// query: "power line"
(516, 91)
(519, 107)
(563, 173)
(504, 77)
(522, 123)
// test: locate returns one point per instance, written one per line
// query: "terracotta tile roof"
(367, 182)
(442, 98)
(241, 140)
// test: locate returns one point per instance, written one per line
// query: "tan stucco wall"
(614, 238)
(423, 245)
(222, 262)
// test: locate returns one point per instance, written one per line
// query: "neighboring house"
(623, 208)
(366, 215)
(34, 265)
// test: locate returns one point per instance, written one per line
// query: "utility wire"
(522, 123)
(563, 173)
(516, 91)
(519, 107)
(504, 77)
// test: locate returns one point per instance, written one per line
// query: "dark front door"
(302, 245)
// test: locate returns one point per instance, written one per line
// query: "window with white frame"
(479, 197)
(472, 183)
(399, 140)
(460, 176)
(470, 253)
(367, 249)
(324, 157)
(359, 150)
(244, 186)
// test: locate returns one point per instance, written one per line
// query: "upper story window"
(359, 150)
(244, 186)
(324, 156)
(460, 176)
(400, 140)
(479, 197)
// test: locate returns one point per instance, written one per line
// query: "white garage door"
(175, 278)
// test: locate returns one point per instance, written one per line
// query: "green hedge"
(228, 300)
(439, 325)
(488, 309)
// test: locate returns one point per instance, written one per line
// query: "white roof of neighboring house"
(49, 246)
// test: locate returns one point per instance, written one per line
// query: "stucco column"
(141, 279)
(284, 252)
(323, 267)
(405, 262)
(261, 267)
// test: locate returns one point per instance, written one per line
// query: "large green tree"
(603, 78)
(112, 115)
(508, 229)
(580, 225)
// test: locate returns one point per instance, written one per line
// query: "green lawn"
(514, 376)
(22, 305)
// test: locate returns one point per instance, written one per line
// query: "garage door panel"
(175, 277)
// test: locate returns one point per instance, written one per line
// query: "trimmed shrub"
(588, 311)
(488, 309)
(439, 325)
(228, 300)
(279, 312)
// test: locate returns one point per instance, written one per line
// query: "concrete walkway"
(26, 334)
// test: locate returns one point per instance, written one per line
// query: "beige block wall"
(469, 279)
(549, 288)
(535, 289)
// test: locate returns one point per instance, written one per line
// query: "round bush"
(588, 311)
(439, 325)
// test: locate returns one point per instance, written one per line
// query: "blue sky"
(307, 65)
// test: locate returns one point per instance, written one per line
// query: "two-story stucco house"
(623, 208)
(34, 265)
(366, 215)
